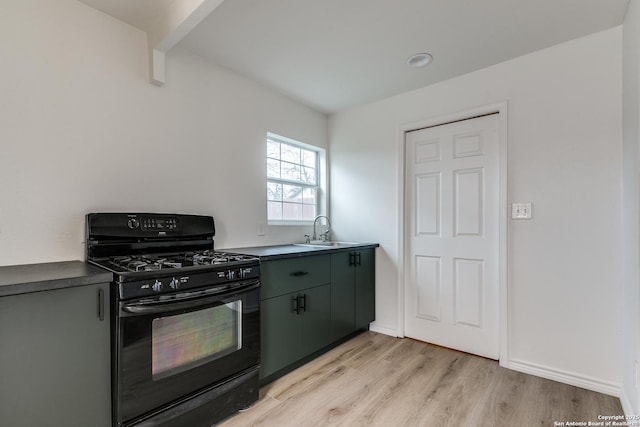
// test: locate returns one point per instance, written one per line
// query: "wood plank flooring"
(377, 380)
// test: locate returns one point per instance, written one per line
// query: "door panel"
(427, 151)
(343, 295)
(279, 334)
(315, 320)
(55, 358)
(467, 145)
(365, 288)
(428, 204)
(428, 287)
(451, 236)
(468, 291)
(469, 204)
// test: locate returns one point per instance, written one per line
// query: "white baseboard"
(565, 377)
(626, 403)
(382, 330)
(627, 406)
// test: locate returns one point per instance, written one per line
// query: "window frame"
(320, 186)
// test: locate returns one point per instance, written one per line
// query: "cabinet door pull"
(101, 304)
(299, 273)
(303, 304)
(296, 305)
(352, 259)
(358, 263)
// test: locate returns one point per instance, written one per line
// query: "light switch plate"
(521, 210)
(260, 228)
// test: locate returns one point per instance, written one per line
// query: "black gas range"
(185, 319)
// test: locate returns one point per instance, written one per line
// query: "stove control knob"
(174, 284)
(157, 287)
(231, 274)
(133, 223)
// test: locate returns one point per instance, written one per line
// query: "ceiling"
(139, 13)
(336, 54)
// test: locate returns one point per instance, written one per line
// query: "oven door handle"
(184, 300)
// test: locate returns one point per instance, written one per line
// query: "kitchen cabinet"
(343, 295)
(314, 318)
(337, 287)
(365, 280)
(55, 358)
(294, 309)
(352, 291)
(293, 329)
(279, 334)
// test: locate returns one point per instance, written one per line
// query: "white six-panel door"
(452, 235)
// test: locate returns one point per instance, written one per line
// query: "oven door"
(172, 346)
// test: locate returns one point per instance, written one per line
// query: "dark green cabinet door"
(279, 335)
(342, 294)
(365, 288)
(55, 358)
(314, 320)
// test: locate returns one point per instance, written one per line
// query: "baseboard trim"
(382, 330)
(565, 377)
(627, 407)
(626, 403)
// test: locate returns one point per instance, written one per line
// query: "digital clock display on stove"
(159, 223)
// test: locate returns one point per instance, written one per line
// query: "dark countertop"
(266, 253)
(22, 279)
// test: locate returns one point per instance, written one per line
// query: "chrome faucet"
(323, 236)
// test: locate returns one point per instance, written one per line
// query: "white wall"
(631, 214)
(82, 130)
(564, 142)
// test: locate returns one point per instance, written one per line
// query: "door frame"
(502, 109)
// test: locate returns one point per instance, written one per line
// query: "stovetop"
(145, 275)
(169, 263)
(155, 262)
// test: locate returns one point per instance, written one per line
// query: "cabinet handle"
(299, 273)
(303, 304)
(101, 304)
(296, 305)
(300, 303)
(354, 259)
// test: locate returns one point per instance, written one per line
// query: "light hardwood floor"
(377, 380)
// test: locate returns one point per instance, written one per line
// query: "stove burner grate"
(133, 263)
(208, 257)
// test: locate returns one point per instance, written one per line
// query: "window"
(292, 181)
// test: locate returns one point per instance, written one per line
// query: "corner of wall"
(630, 395)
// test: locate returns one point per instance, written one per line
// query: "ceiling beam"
(176, 21)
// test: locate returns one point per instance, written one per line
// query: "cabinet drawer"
(283, 276)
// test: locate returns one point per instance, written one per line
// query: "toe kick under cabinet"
(309, 303)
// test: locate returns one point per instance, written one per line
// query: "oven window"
(184, 341)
